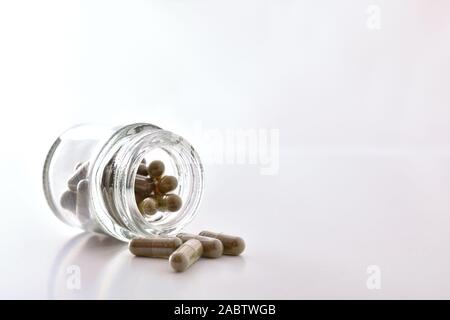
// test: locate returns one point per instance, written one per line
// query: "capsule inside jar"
(153, 187)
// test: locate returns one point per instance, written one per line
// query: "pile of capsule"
(152, 187)
(185, 249)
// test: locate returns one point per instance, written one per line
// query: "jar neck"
(114, 174)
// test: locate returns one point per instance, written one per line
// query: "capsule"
(69, 200)
(143, 185)
(232, 245)
(139, 197)
(147, 206)
(82, 208)
(154, 247)
(167, 184)
(212, 248)
(186, 255)
(142, 169)
(170, 202)
(156, 169)
(79, 174)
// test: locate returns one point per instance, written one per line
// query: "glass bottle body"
(90, 172)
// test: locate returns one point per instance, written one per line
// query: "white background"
(363, 116)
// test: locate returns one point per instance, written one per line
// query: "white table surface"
(363, 117)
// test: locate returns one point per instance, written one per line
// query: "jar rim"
(128, 147)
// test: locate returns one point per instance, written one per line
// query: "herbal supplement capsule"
(69, 200)
(79, 174)
(82, 208)
(156, 169)
(170, 202)
(142, 169)
(188, 253)
(232, 245)
(139, 197)
(212, 248)
(143, 185)
(147, 206)
(167, 184)
(154, 247)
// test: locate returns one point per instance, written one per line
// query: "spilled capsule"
(186, 255)
(212, 248)
(232, 245)
(154, 247)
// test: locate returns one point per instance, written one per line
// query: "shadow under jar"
(90, 172)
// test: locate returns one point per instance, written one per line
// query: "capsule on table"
(186, 255)
(79, 174)
(232, 245)
(154, 247)
(212, 248)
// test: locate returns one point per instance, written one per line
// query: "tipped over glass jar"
(90, 176)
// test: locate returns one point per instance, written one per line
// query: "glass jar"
(90, 172)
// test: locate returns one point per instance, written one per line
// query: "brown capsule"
(173, 202)
(170, 202)
(69, 200)
(79, 174)
(142, 169)
(167, 184)
(186, 255)
(156, 169)
(139, 197)
(154, 247)
(148, 206)
(143, 185)
(212, 248)
(232, 245)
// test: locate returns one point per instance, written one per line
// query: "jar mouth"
(129, 151)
